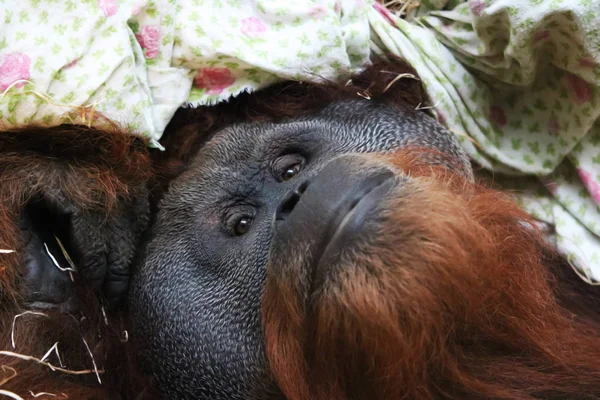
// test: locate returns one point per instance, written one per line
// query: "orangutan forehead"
(240, 153)
(349, 125)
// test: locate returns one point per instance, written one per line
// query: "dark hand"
(64, 245)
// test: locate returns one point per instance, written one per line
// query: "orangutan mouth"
(351, 219)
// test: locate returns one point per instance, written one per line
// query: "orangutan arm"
(85, 187)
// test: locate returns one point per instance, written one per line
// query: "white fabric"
(136, 62)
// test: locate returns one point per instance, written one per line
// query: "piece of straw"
(12, 332)
(47, 364)
(41, 394)
(83, 109)
(8, 378)
(55, 349)
(12, 395)
(93, 361)
(405, 75)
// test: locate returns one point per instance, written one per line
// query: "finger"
(88, 239)
(126, 233)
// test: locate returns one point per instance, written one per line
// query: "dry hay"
(402, 8)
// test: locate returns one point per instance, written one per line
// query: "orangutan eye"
(290, 172)
(288, 166)
(238, 220)
(242, 226)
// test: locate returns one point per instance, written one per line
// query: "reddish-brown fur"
(95, 169)
(454, 299)
(528, 315)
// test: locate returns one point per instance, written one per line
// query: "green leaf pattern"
(118, 56)
(522, 79)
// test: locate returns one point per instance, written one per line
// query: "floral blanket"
(518, 81)
(137, 61)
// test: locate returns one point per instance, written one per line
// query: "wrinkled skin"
(196, 293)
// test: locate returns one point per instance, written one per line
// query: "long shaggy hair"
(476, 305)
(457, 296)
(98, 171)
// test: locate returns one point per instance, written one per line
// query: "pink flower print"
(72, 63)
(318, 12)
(498, 116)
(253, 27)
(148, 38)
(587, 62)
(108, 7)
(591, 184)
(385, 12)
(337, 6)
(551, 186)
(580, 89)
(540, 35)
(13, 67)
(441, 118)
(477, 7)
(214, 79)
(137, 7)
(553, 125)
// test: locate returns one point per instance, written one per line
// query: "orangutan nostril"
(303, 186)
(290, 201)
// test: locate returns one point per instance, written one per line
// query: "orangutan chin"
(430, 287)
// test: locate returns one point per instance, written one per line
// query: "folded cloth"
(135, 62)
(519, 82)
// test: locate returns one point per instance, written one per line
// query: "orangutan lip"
(350, 225)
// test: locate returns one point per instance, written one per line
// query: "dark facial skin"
(196, 294)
